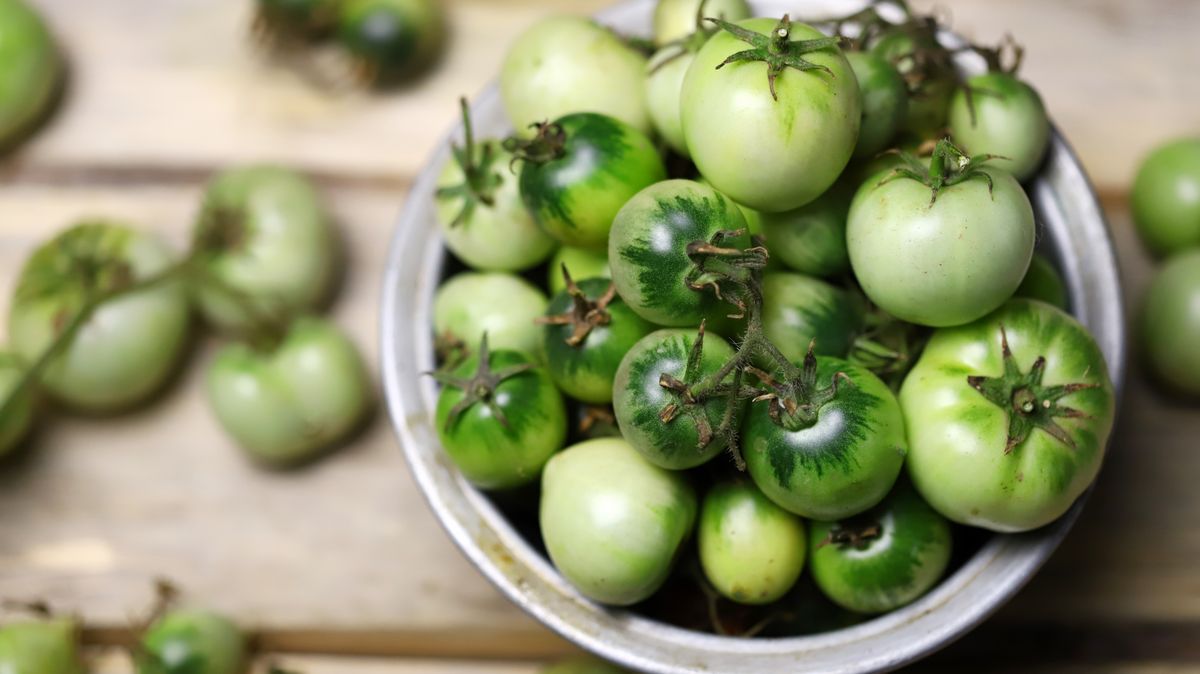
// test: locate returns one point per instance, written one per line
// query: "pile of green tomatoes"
(102, 319)
(761, 299)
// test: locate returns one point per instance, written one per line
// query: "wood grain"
(344, 557)
(192, 91)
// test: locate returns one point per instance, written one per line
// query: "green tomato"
(884, 558)
(267, 246)
(40, 647)
(1007, 440)
(752, 551)
(942, 263)
(1166, 197)
(391, 39)
(664, 82)
(841, 461)
(1043, 282)
(287, 404)
(192, 642)
(297, 19)
(1171, 323)
(583, 665)
(676, 19)
(639, 398)
(32, 72)
(1009, 120)
(580, 171)
(612, 522)
(884, 101)
(811, 239)
(587, 334)
(799, 310)
(581, 263)
(130, 345)
(488, 226)
(766, 153)
(568, 64)
(16, 409)
(917, 55)
(502, 305)
(500, 424)
(647, 249)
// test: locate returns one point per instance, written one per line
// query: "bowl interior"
(1074, 236)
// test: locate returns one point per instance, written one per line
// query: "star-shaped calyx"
(480, 179)
(585, 314)
(794, 403)
(777, 50)
(948, 166)
(1029, 403)
(481, 386)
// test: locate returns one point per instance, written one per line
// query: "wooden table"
(341, 565)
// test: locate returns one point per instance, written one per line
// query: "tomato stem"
(585, 314)
(479, 387)
(480, 180)
(777, 50)
(947, 166)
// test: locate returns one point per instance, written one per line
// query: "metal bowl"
(1074, 236)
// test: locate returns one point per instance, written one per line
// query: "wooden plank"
(99, 507)
(192, 92)
(115, 662)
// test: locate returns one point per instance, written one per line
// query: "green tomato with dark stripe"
(192, 642)
(586, 167)
(1043, 282)
(1008, 417)
(648, 249)
(841, 464)
(639, 398)
(391, 39)
(581, 263)
(884, 558)
(799, 310)
(504, 440)
(613, 523)
(751, 550)
(584, 369)
(40, 647)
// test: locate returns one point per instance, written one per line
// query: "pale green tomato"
(129, 346)
(581, 264)
(499, 237)
(269, 250)
(567, 64)
(1171, 323)
(286, 405)
(31, 73)
(192, 642)
(810, 239)
(1166, 197)
(1043, 282)
(1009, 121)
(664, 82)
(884, 101)
(676, 19)
(17, 418)
(766, 153)
(613, 523)
(752, 551)
(1007, 439)
(40, 646)
(945, 263)
(502, 305)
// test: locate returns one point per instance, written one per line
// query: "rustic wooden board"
(344, 557)
(191, 91)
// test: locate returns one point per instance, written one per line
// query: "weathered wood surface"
(343, 557)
